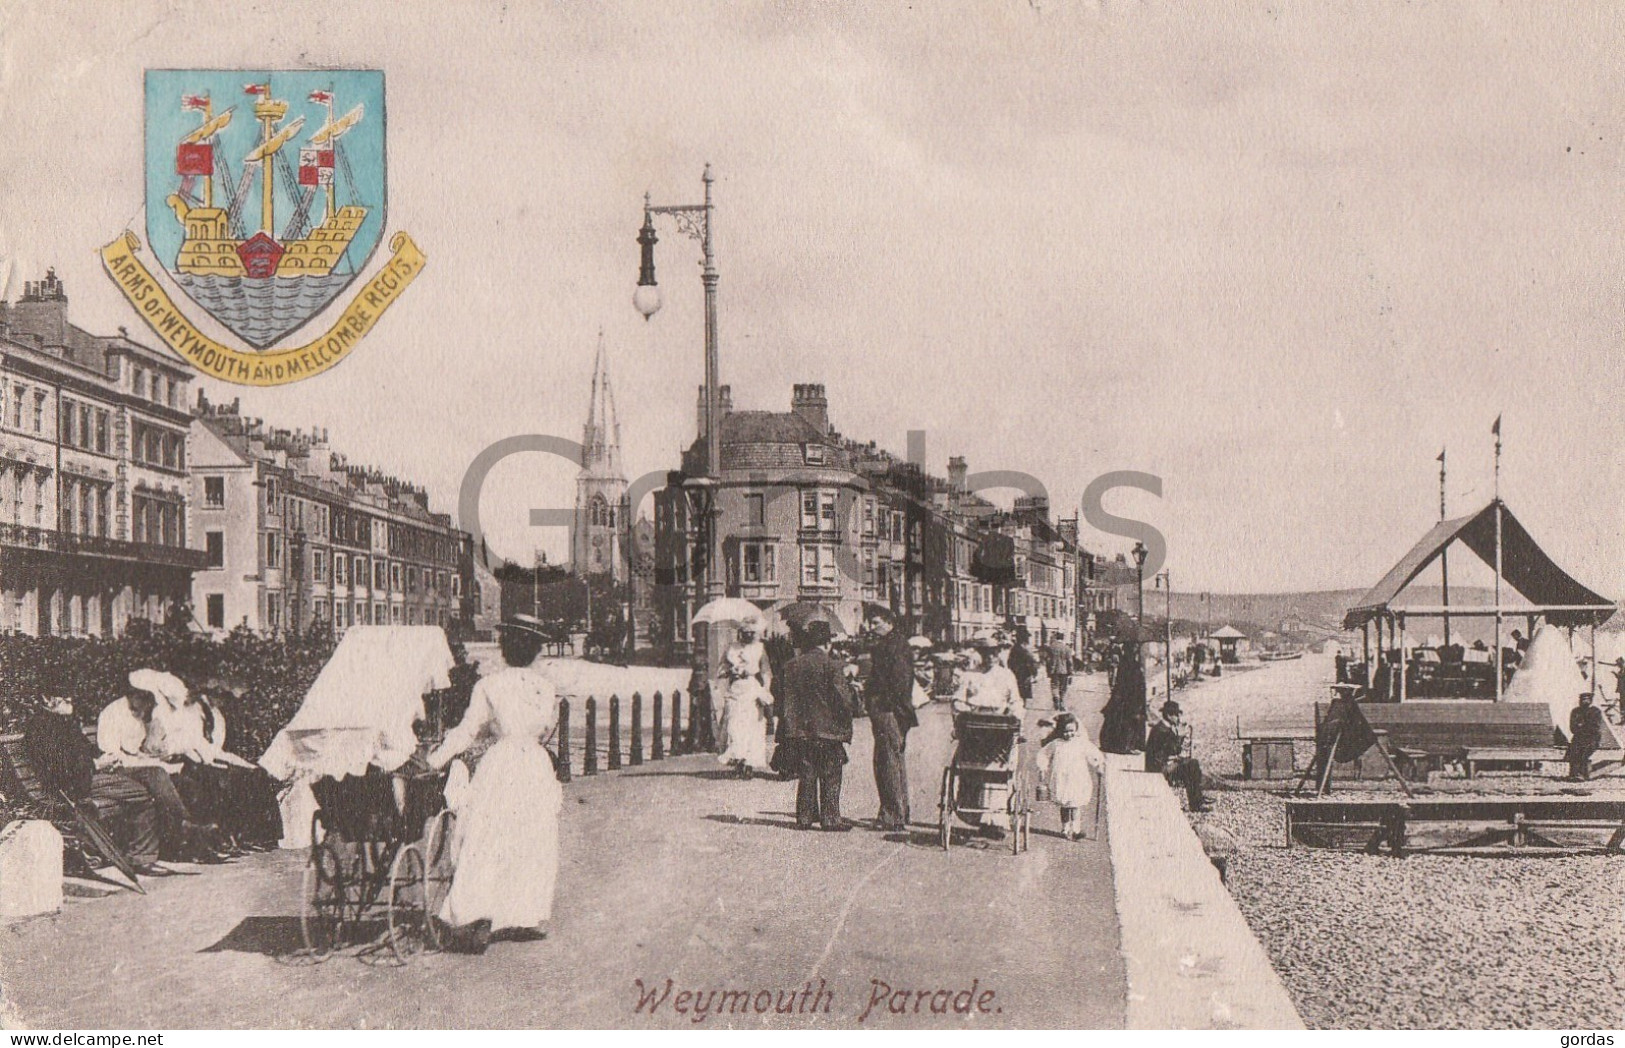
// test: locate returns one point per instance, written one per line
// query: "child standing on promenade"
(1068, 764)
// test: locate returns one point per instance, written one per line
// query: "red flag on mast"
(256, 89)
(322, 97)
(194, 101)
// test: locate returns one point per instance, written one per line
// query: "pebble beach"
(1419, 942)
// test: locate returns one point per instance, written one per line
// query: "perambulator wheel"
(439, 865)
(321, 913)
(407, 913)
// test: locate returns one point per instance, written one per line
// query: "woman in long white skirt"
(743, 688)
(508, 861)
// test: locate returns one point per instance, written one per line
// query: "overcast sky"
(1277, 254)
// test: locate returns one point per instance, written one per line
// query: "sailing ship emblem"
(265, 201)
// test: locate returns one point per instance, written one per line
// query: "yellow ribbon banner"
(273, 367)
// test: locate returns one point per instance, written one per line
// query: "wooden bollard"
(614, 733)
(564, 740)
(677, 724)
(637, 728)
(589, 757)
(658, 749)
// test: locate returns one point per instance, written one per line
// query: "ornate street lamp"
(694, 220)
(1140, 553)
(1165, 579)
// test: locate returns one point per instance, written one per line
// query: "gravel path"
(1427, 941)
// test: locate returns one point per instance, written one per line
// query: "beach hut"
(1227, 638)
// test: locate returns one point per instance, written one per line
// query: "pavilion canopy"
(1524, 566)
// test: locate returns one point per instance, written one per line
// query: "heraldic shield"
(264, 189)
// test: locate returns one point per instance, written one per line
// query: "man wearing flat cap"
(818, 706)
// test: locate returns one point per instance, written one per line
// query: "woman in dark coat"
(1123, 728)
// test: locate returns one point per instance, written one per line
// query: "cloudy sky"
(1278, 254)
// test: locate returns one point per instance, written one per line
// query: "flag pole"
(1500, 669)
(1444, 556)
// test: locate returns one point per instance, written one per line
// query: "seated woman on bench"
(64, 761)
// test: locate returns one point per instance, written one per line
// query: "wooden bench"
(1496, 825)
(1426, 735)
(1268, 745)
(19, 782)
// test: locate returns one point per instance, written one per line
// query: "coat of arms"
(265, 200)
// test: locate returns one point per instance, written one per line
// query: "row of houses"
(122, 499)
(806, 514)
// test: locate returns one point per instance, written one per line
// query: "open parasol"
(796, 615)
(918, 641)
(729, 609)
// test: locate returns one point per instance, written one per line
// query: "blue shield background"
(263, 311)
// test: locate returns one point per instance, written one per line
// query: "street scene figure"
(744, 685)
(818, 704)
(508, 859)
(1058, 663)
(1069, 764)
(989, 686)
(1165, 753)
(1585, 737)
(1023, 664)
(889, 697)
(122, 734)
(1123, 728)
(65, 762)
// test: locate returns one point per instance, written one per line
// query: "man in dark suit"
(64, 761)
(1585, 737)
(818, 708)
(1165, 752)
(889, 696)
(1024, 664)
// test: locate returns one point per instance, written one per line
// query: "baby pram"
(381, 856)
(985, 778)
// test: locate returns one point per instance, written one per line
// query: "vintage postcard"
(998, 515)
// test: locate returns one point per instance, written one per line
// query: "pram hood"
(361, 708)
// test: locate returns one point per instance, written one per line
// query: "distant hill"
(1317, 612)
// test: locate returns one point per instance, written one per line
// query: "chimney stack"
(807, 400)
(1032, 509)
(725, 407)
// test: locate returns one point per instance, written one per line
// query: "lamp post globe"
(647, 299)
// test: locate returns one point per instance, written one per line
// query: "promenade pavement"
(670, 872)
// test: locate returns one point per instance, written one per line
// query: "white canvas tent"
(1550, 675)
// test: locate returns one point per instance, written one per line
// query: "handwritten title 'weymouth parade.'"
(700, 1005)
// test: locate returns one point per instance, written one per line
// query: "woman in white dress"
(988, 688)
(743, 686)
(508, 821)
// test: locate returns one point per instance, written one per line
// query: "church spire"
(601, 437)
